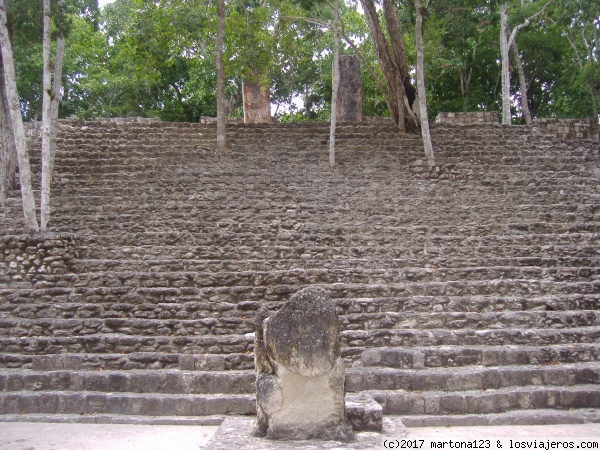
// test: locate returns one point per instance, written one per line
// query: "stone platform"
(235, 432)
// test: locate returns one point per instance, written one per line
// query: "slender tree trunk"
(7, 146)
(422, 95)
(56, 99)
(14, 113)
(504, 48)
(522, 84)
(335, 84)
(221, 113)
(507, 39)
(8, 153)
(4, 180)
(593, 56)
(46, 120)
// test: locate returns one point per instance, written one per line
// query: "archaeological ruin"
(466, 294)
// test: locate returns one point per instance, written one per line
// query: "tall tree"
(335, 82)
(579, 23)
(507, 40)
(393, 64)
(522, 84)
(46, 119)
(8, 154)
(16, 121)
(51, 96)
(421, 10)
(221, 113)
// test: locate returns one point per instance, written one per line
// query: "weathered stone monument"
(350, 90)
(300, 374)
(257, 100)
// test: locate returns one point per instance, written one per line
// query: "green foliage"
(155, 57)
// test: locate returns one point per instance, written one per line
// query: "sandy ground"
(60, 436)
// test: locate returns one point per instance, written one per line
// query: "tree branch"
(516, 29)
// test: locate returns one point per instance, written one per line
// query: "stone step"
(165, 146)
(471, 320)
(128, 361)
(444, 134)
(201, 276)
(91, 221)
(64, 302)
(491, 401)
(470, 337)
(349, 156)
(470, 303)
(314, 153)
(146, 322)
(88, 223)
(123, 343)
(400, 358)
(251, 210)
(243, 382)
(426, 252)
(183, 287)
(489, 356)
(83, 403)
(223, 340)
(142, 289)
(488, 402)
(472, 378)
(471, 233)
(151, 381)
(563, 269)
(517, 417)
(96, 177)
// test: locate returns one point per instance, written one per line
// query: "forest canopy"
(154, 58)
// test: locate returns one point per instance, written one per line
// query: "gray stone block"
(364, 413)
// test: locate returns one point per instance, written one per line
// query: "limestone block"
(300, 373)
(364, 413)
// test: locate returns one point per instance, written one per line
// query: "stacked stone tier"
(470, 289)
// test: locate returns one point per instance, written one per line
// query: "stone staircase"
(469, 294)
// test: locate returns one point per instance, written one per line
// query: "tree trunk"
(335, 84)
(221, 113)
(422, 96)
(14, 113)
(504, 48)
(56, 99)
(8, 153)
(46, 119)
(409, 94)
(392, 62)
(522, 84)
(507, 39)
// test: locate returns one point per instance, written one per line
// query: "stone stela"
(350, 90)
(300, 373)
(257, 101)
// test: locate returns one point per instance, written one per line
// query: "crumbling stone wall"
(25, 257)
(569, 129)
(468, 118)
